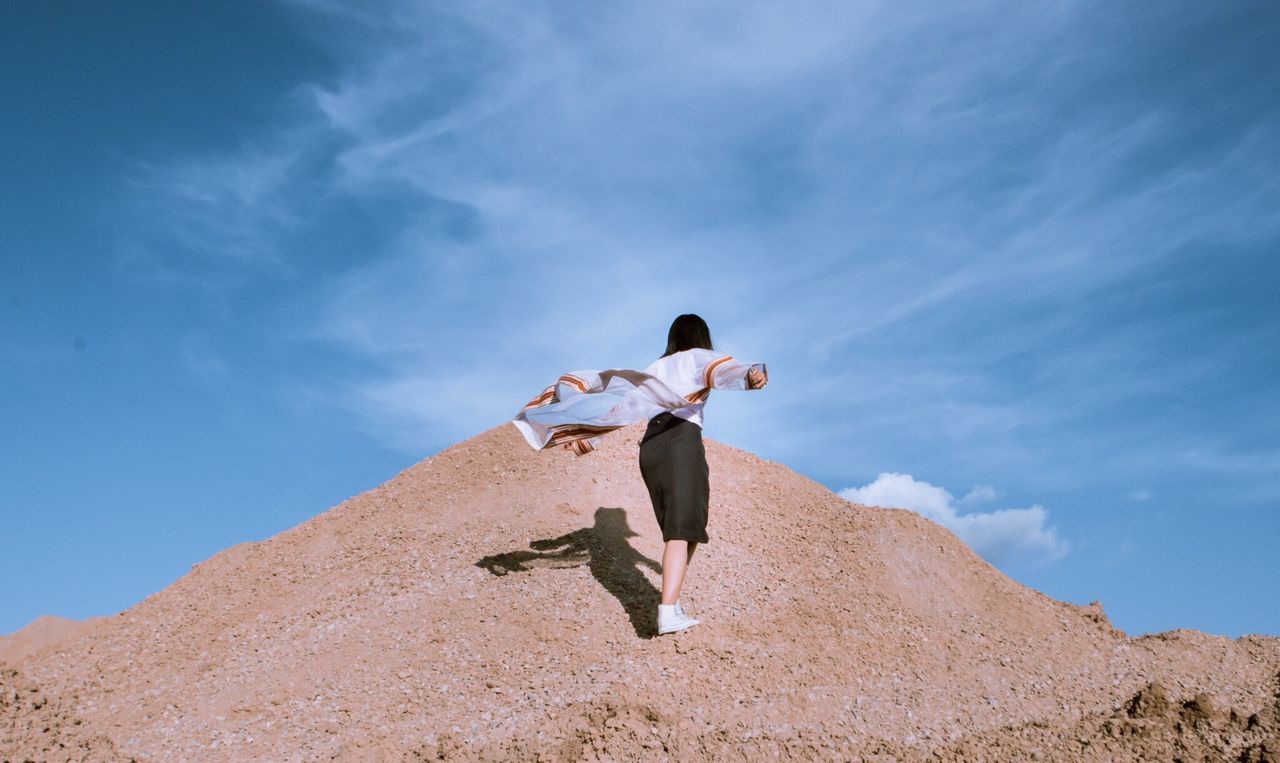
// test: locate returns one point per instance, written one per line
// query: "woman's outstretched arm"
(724, 372)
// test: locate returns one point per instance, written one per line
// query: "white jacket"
(582, 405)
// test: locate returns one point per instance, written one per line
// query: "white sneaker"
(671, 620)
(680, 609)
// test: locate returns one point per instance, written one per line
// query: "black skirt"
(673, 463)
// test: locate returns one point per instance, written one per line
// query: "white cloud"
(997, 535)
(229, 208)
(979, 494)
(563, 146)
(732, 160)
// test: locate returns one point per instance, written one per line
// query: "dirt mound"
(35, 727)
(44, 632)
(495, 602)
(1149, 726)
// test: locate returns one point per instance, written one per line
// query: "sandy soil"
(43, 632)
(496, 603)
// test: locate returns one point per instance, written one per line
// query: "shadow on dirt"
(604, 548)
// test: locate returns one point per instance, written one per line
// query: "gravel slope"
(493, 602)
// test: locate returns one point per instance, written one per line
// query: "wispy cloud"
(999, 536)
(217, 214)
(979, 495)
(910, 211)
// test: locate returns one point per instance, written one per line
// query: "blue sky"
(1011, 264)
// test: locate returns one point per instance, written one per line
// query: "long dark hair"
(688, 331)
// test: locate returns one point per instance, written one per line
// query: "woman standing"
(580, 407)
(672, 459)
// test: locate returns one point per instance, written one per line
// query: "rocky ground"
(497, 603)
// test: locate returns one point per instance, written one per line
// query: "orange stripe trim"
(546, 397)
(583, 427)
(566, 436)
(712, 366)
(574, 382)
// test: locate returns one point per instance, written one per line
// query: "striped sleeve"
(580, 382)
(724, 372)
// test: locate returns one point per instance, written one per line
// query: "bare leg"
(675, 559)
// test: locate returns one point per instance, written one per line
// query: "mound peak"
(493, 601)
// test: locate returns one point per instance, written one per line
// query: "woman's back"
(694, 373)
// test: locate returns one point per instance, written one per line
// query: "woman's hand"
(756, 379)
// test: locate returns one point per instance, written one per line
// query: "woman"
(580, 407)
(672, 459)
